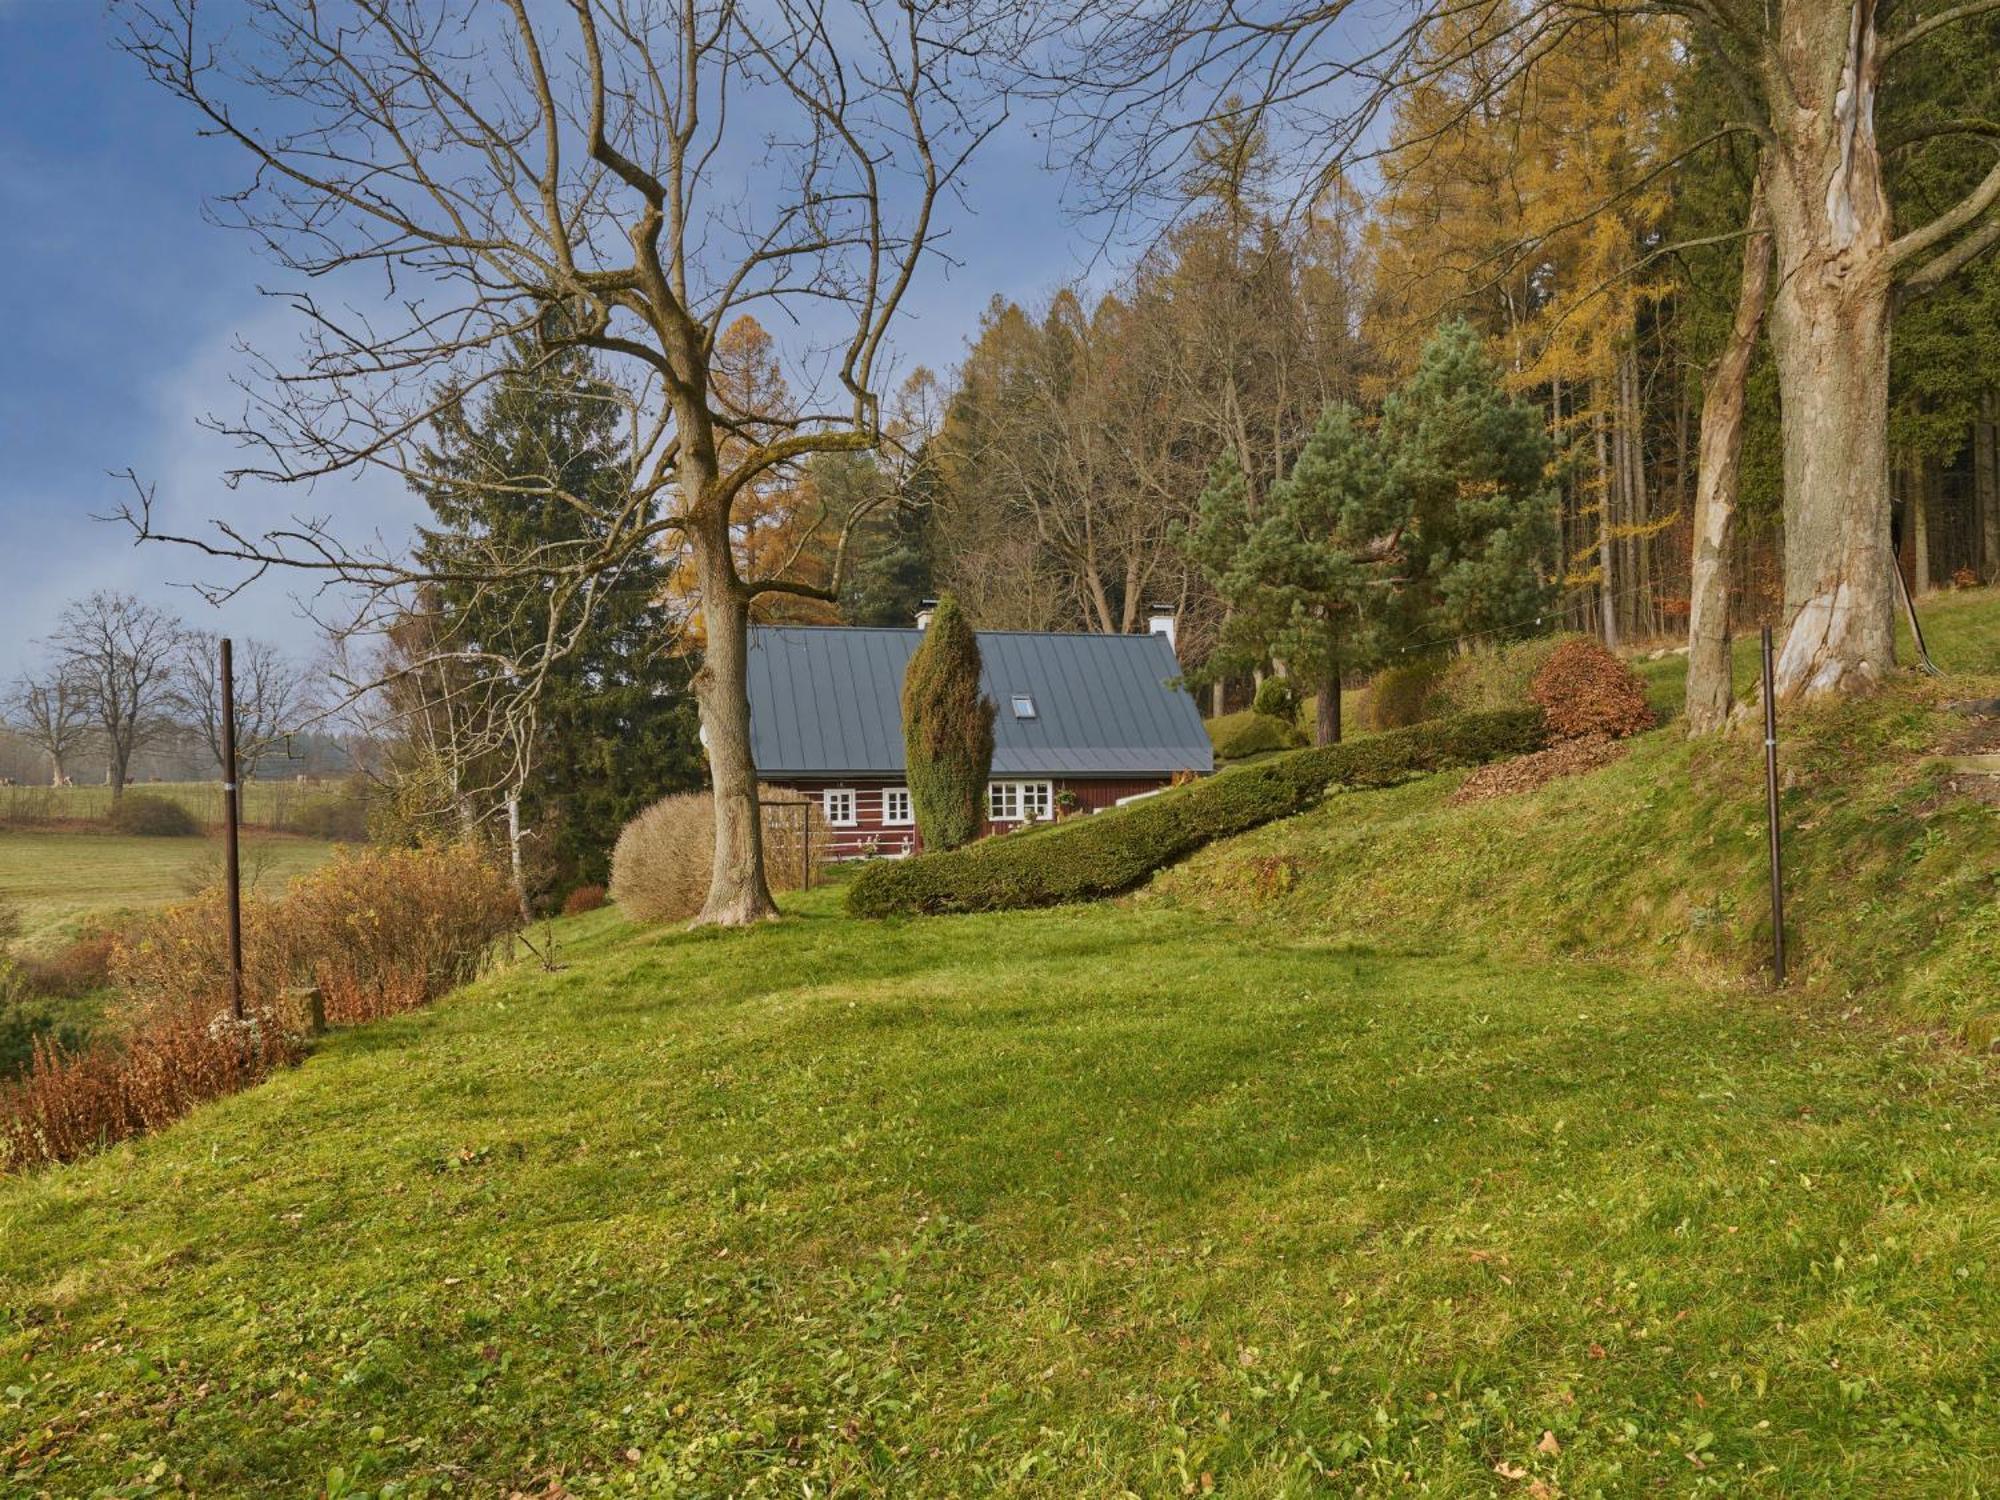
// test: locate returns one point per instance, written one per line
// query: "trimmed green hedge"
(1250, 733)
(1116, 850)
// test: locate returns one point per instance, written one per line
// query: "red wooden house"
(1081, 722)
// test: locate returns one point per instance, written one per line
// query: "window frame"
(1017, 699)
(853, 818)
(1009, 801)
(908, 819)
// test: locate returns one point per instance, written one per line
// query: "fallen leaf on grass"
(1548, 1444)
(1509, 1471)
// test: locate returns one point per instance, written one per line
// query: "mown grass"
(62, 880)
(1091, 1201)
(1658, 862)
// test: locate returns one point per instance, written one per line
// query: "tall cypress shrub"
(947, 731)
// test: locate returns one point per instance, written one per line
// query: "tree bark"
(1923, 480)
(1710, 692)
(1830, 332)
(1326, 722)
(1986, 486)
(738, 893)
(1607, 597)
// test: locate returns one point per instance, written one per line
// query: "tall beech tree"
(947, 731)
(612, 175)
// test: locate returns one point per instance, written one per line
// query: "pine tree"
(947, 731)
(614, 722)
(1470, 468)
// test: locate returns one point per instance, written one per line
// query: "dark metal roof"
(829, 700)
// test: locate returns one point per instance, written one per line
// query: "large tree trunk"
(1923, 482)
(1326, 721)
(1710, 694)
(1830, 332)
(1986, 487)
(737, 892)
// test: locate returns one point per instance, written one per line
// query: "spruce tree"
(947, 731)
(615, 721)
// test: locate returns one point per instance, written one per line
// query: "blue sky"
(124, 308)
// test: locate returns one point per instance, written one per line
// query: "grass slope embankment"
(1097, 1201)
(1658, 861)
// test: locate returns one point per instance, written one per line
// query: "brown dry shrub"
(661, 864)
(378, 932)
(584, 898)
(1584, 689)
(81, 965)
(176, 1057)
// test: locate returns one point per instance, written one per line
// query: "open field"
(60, 880)
(1095, 1201)
(265, 804)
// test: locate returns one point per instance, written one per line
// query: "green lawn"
(61, 880)
(1115, 1200)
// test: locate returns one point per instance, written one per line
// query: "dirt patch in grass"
(1526, 773)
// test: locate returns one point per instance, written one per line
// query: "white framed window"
(838, 805)
(1020, 801)
(896, 809)
(1024, 706)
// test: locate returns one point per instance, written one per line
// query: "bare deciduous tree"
(120, 654)
(52, 712)
(624, 176)
(271, 696)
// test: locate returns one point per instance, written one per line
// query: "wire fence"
(277, 806)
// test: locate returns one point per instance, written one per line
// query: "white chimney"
(924, 612)
(1160, 621)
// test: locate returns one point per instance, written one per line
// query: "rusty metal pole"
(1771, 808)
(232, 865)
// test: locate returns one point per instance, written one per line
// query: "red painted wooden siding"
(871, 837)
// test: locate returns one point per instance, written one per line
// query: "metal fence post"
(1771, 808)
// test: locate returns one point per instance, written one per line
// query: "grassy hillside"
(1657, 862)
(1087, 1202)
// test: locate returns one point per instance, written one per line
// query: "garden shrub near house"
(1494, 675)
(1235, 736)
(1278, 699)
(153, 817)
(1401, 695)
(1585, 689)
(947, 731)
(1119, 849)
(661, 864)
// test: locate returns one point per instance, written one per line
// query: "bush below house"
(661, 865)
(1238, 735)
(1121, 848)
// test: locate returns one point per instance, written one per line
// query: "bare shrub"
(1584, 689)
(378, 932)
(1488, 677)
(176, 1057)
(584, 898)
(660, 866)
(81, 965)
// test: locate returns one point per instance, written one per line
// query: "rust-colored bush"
(176, 1057)
(78, 967)
(1585, 689)
(377, 931)
(584, 898)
